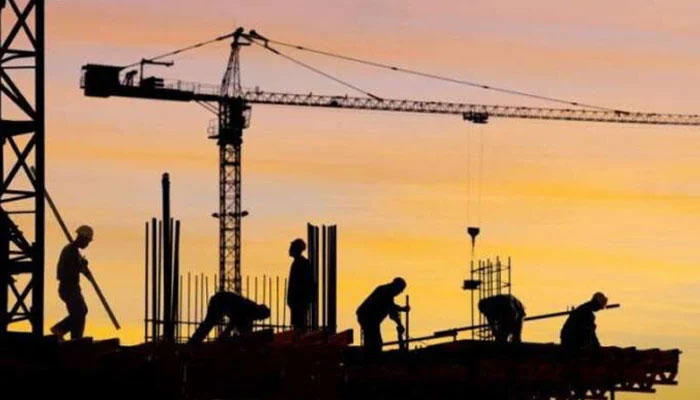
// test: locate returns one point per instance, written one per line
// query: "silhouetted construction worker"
(374, 309)
(240, 312)
(505, 314)
(578, 332)
(301, 282)
(70, 265)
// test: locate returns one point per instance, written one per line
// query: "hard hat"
(398, 281)
(85, 231)
(298, 244)
(600, 299)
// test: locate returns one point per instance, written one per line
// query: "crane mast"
(233, 118)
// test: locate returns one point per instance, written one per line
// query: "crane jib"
(104, 81)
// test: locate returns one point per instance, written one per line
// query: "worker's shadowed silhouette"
(301, 283)
(374, 310)
(579, 330)
(504, 313)
(241, 314)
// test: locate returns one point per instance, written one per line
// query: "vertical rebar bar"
(160, 280)
(256, 289)
(277, 307)
(324, 266)
(284, 305)
(145, 290)
(179, 308)
(206, 295)
(247, 286)
(154, 277)
(189, 304)
(196, 299)
(264, 290)
(201, 297)
(176, 275)
(269, 320)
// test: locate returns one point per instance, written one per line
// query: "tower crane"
(232, 105)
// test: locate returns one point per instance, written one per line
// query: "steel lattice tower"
(234, 116)
(22, 127)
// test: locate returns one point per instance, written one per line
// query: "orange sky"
(579, 207)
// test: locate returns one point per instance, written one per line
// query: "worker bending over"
(505, 314)
(300, 289)
(70, 265)
(578, 332)
(375, 309)
(240, 312)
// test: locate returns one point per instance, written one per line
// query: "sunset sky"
(580, 207)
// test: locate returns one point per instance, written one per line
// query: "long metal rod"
(90, 276)
(167, 262)
(154, 276)
(454, 331)
(145, 287)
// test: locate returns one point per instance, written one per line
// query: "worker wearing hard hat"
(70, 265)
(578, 332)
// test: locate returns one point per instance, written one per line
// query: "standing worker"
(240, 312)
(70, 265)
(375, 309)
(301, 282)
(578, 332)
(505, 314)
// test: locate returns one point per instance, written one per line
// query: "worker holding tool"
(505, 314)
(579, 329)
(301, 283)
(70, 265)
(375, 309)
(240, 312)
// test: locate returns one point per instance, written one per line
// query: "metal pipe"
(277, 308)
(167, 262)
(196, 298)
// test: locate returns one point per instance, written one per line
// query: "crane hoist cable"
(435, 76)
(474, 229)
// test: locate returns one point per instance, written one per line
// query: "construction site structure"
(488, 278)
(22, 135)
(321, 365)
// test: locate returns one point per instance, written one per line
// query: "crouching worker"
(578, 332)
(374, 310)
(505, 314)
(240, 312)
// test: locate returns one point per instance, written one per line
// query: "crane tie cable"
(442, 78)
(184, 49)
(316, 70)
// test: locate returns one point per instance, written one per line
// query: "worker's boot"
(58, 332)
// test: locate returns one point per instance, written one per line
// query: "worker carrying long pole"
(70, 265)
(375, 309)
